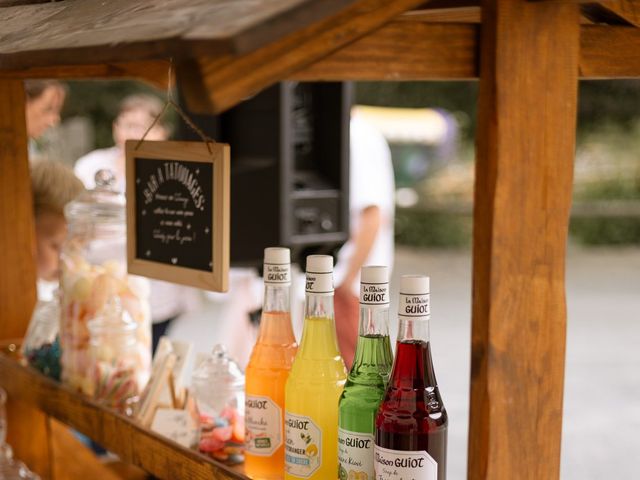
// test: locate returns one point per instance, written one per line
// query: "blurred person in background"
(371, 217)
(53, 185)
(44, 102)
(136, 113)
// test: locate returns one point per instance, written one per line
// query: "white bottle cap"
(414, 299)
(277, 266)
(374, 287)
(319, 275)
(414, 285)
(374, 274)
(277, 256)
(319, 264)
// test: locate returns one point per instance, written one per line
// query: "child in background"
(53, 186)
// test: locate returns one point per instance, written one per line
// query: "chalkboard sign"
(178, 212)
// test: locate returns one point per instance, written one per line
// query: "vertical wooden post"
(524, 174)
(26, 426)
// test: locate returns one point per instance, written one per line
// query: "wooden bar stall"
(528, 57)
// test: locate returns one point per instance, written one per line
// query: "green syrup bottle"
(367, 379)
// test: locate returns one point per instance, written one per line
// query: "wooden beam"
(403, 50)
(444, 51)
(17, 235)
(228, 80)
(609, 52)
(469, 14)
(524, 173)
(154, 72)
(414, 49)
(27, 428)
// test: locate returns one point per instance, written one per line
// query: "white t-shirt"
(166, 299)
(103, 158)
(370, 184)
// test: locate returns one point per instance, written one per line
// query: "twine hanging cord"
(170, 102)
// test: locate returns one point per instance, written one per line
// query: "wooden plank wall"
(524, 172)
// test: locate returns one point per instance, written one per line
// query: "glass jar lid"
(113, 321)
(219, 370)
(103, 204)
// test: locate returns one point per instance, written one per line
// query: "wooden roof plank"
(227, 81)
(94, 31)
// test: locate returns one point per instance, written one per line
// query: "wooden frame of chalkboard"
(178, 212)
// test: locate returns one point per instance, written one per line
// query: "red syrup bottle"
(411, 423)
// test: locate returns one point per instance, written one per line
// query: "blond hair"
(53, 185)
(150, 104)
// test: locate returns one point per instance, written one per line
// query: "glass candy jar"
(94, 270)
(218, 387)
(41, 345)
(116, 369)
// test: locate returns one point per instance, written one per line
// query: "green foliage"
(599, 102)
(605, 231)
(612, 102)
(456, 97)
(423, 228)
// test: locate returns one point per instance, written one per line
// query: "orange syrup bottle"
(268, 371)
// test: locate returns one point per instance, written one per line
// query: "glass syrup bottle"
(315, 383)
(268, 370)
(411, 424)
(367, 379)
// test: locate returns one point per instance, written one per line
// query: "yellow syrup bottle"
(267, 372)
(315, 383)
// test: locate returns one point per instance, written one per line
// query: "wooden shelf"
(119, 434)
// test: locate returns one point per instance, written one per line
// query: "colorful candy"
(222, 437)
(46, 358)
(86, 288)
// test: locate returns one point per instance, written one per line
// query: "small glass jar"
(41, 345)
(218, 387)
(114, 358)
(94, 270)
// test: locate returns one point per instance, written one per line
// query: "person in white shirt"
(135, 115)
(371, 214)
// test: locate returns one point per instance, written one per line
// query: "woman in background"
(44, 102)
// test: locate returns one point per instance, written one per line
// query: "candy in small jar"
(93, 272)
(114, 357)
(41, 345)
(218, 387)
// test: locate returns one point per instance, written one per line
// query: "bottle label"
(303, 445)
(355, 455)
(374, 295)
(414, 306)
(277, 273)
(263, 424)
(398, 465)
(319, 283)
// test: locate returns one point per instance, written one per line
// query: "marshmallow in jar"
(94, 271)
